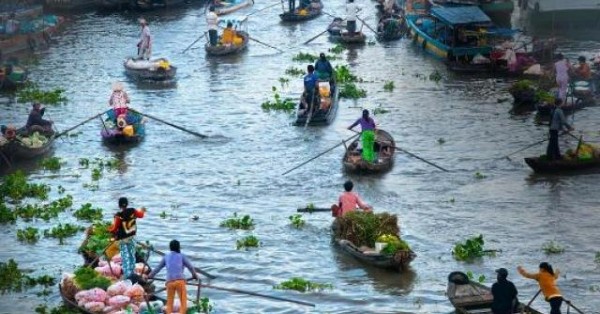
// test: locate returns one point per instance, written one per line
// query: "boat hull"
(568, 13)
(295, 17)
(221, 50)
(232, 8)
(399, 261)
(321, 117)
(150, 75)
(560, 166)
(385, 146)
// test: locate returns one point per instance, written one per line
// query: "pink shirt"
(349, 201)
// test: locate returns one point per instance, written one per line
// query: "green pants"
(368, 141)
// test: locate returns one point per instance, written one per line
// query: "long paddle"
(260, 42)
(170, 124)
(78, 125)
(195, 41)
(163, 254)
(531, 301)
(321, 33)
(367, 25)
(312, 210)
(524, 148)
(321, 154)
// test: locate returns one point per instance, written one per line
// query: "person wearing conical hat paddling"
(145, 43)
(124, 229)
(118, 99)
(367, 136)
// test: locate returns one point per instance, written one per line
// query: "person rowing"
(368, 129)
(349, 201)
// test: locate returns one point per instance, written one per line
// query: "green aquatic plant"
(441, 140)
(247, 242)
(435, 76)
(96, 174)
(297, 221)
(351, 91)
(45, 211)
(479, 175)
(84, 162)
(62, 232)
(284, 82)
(28, 235)
(87, 213)
(339, 48)
(302, 285)
(62, 309)
(202, 306)
(278, 103)
(52, 163)
(87, 278)
(244, 222)
(16, 187)
(597, 258)
(389, 86)
(552, 247)
(471, 249)
(344, 75)
(480, 278)
(7, 215)
(380, 110)
(293, 71)
(12, 279)
(32, 93)
(305, 57)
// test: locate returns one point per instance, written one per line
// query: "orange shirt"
(546, 281)
(584, 71)
(228, 35)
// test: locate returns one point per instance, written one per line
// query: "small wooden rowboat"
(391, 28)
(469, 297)
(71, 303)
(222, 50)
(16, 150)
(337, 33)
(542, 165)
(398, 261)
(113, 135)
(314, 11)
(234, 5)
(385, 147)
(157, 70)
(325, 114)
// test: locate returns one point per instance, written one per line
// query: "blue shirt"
(175, 263)
(310, 81)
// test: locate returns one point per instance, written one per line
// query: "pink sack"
(117, 259)
(119, 301)
(118, 288)
(97, 295)
(94, 307)
(135, 292)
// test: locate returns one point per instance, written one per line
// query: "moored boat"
(34, 35)
(114, 4)
(156, 70)
(499, 10)
(391, 28)
(315, 9)
(235, 47)
(556, 13)
(470, 297)
(157, 4)
(123, 130)
(385, 147)
(337, 33)
(328, 105)
(231, 6)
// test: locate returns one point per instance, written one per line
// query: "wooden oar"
(170, 124)
(531, 301)
(195, 41)
(312, 210)
(367, 25)
(260, 42)
(321, 154)
(321, 33)
(163, 254)
(258, 295)
(524, 148)
(78, 125)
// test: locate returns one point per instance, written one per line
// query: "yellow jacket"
(228, 35)
(546, 281)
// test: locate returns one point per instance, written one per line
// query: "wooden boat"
(337, 33)
(316, 9)
(398, 261)
(226, 7)
(16, 149)
(436, 32)
(327, 110)
(12, 76)
(26, 12)
(385, 147)
(112, 134)
(391, 28)
(469, 297)
(156, 70)
(38, 39)
(221, 50)
(71, 303)
(543, 165)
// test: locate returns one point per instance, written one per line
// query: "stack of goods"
(97, 240)
(363, 228)
(325, 93)
(583, 152)
(35, 140)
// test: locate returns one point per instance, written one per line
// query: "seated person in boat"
(35, 122)
(583, 71)
(310, 82)
(310, 103)
(505, 294)
(323, 68)
(368, 129)
(118, 100)
(349, 202)
(228, 35)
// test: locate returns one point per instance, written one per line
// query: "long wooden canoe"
(16, 150)
(542, 165)
(323, 115)
(470, 297)
(113, 136)
(398, 261)
(385, 148)
(337, 33)
(295, 16)
(222, 50)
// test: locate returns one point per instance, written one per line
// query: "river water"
(239, 168)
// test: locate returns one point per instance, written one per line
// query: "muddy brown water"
(238, 168)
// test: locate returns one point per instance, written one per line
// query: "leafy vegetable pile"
(302, 285)
(87, 278)
(363, 228)
(98, 239)
(394, 244)
(471, 249)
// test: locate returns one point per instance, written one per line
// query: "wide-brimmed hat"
(117, 86)
(142, 20)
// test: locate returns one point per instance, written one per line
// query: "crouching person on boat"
(546, 278)
(349, 202)
(124, 229)
(35, 122)
(557, 123)
(118, 100)
(505, 294)
(175, 263)
(368, 129)
(228, 35)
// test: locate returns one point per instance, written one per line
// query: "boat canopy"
(460, 15)
(237, 21)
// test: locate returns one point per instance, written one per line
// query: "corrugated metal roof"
(460, 15)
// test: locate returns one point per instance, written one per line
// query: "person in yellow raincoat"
(228, 34)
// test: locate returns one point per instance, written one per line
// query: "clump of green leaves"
(6, 214)
(87, 278)
(471, 249)
(28, 235)
(435, 76)
(521, 86)
(351, 91)
(62, 232)
(96, 174)
(202, 306)
(389, 86)
(380, 110)
(297, 221)
(597, 258)
(339, 48)
(12, 278)
(284, 82)
(441, 140)
(46, 211)
(394, 244)
(84, 162)
(99, 238)
(344, 75)
(293, 71)
(479, 175)
(52, 163)
(32, 93)
(302, 285)
(244, 222)
(544, 97)
(62, 309)
(247, 242)
(278, 103)
(552, 247)
(305, 57)
(480, 278)
(87, 213)
(16, 187)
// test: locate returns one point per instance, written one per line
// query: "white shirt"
(562, 70)
(145, 39)
(212, 20)
(351, 10)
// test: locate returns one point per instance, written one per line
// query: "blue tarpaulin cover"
(460, 15)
